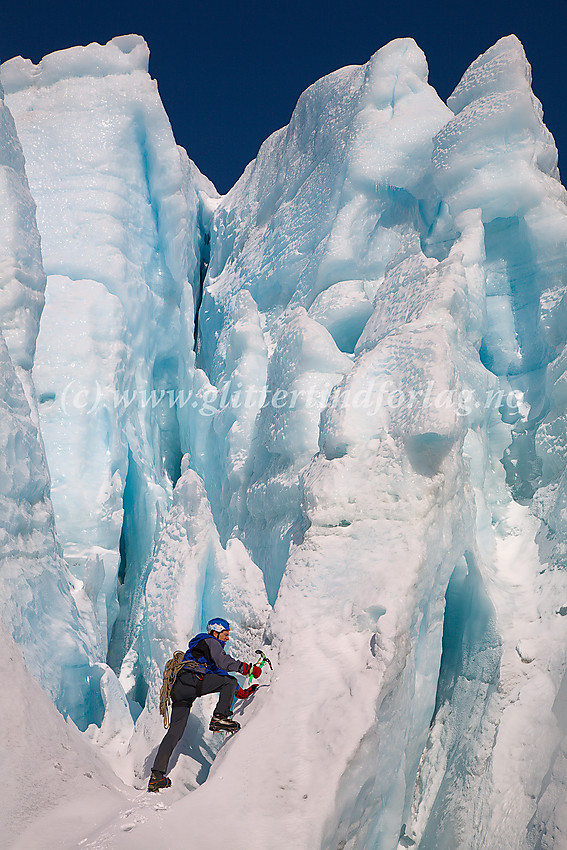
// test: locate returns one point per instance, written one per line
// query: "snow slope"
(58, 773)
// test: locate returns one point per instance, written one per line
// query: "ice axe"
(260, 663)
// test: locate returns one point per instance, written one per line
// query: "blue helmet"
(217, 624)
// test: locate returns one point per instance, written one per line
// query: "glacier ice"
(324, 201)
(36, 600)
(358, 457)
(115, 199)
(22, 278)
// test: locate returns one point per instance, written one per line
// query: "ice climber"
(205, 670)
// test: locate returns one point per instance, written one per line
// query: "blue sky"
(230, 73)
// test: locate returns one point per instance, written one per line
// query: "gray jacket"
(206, 655)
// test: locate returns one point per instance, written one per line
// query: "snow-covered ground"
(328, 406)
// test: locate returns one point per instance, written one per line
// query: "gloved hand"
(244, 693)
(256, 671)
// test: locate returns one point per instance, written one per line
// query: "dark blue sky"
(230, 73)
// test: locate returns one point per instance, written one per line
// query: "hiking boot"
(157, 781)
(221, 723)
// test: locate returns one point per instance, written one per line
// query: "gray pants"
(185, 691)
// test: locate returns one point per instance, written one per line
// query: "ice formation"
(329, 405)
(117, 208)
(36, 600)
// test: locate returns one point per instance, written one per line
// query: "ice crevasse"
(330, 404)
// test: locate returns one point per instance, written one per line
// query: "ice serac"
(36, 604)
(22, 278)
(500, 230)
(496, 161)
(118, 208)
(307, 233)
